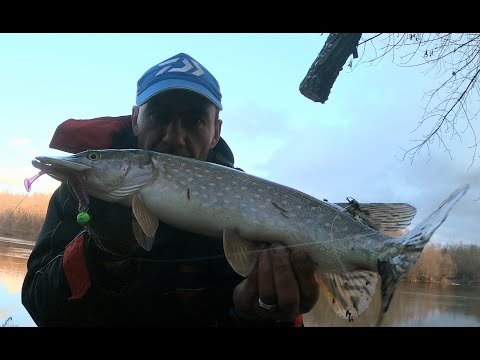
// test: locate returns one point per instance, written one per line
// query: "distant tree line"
(459, 263)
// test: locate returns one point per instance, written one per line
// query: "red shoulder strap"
(75, 135)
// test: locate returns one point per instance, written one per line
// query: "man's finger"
(246, 293)
(308, 284)
(285, 282)
(266, 282)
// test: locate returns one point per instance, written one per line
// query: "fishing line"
(28, 186)
(13, 211)
(335, 252)
(198, 258)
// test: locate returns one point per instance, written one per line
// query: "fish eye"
(92, 156)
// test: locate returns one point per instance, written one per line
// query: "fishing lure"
(83, 216)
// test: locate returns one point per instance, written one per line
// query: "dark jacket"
(185, 280)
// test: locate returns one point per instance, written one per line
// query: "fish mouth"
(67, 171)
(51, 164)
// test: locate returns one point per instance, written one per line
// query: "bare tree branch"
(325, 69)
(369, 39)
(454, 56)
(456, 59)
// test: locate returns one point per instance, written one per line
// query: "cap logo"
(194, 69)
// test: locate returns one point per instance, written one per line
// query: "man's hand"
(282, 278)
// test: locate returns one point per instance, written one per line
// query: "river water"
(413, 305)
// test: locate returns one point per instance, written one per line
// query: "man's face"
(177, 122)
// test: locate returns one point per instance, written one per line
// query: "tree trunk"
(324, 71)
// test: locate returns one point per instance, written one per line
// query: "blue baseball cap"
(179, 72)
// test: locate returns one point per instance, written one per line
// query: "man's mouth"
(182, 153)
(178, 154)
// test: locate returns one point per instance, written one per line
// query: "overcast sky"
(349, 146)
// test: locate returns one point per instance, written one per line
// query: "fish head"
(110, 174)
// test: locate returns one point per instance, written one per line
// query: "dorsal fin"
(381, 216)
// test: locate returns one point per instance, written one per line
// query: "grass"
(22, 216)
(8, 323)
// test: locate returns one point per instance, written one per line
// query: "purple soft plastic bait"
(28, 182)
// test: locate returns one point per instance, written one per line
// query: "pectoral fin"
(143, 240)
(240, 253)
(349, 293)
(147, 221)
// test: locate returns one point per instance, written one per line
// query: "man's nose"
(175, 133)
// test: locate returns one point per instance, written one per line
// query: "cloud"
(361, 158)
(19, 142)
(434, 181)
(11, 180)
(255, 133)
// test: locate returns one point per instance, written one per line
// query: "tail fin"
(412, 245)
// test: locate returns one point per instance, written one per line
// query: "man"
(98, 276)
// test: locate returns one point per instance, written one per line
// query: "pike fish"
(348, 241)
